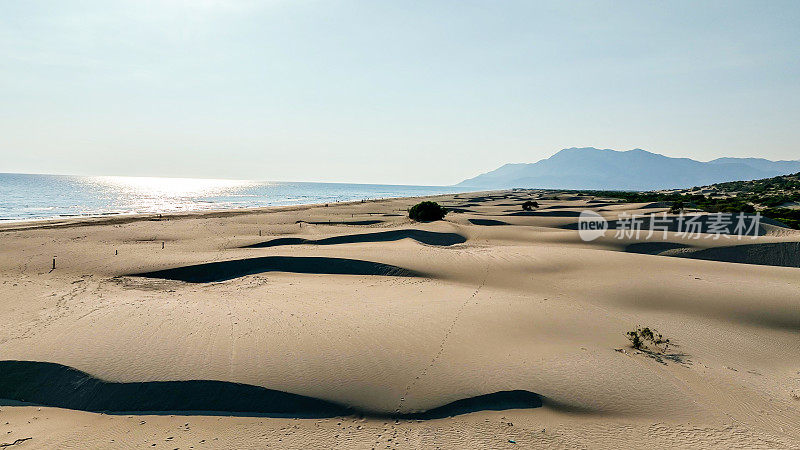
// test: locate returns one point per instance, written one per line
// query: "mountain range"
(592, 168)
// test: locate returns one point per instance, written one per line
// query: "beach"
(349, 325)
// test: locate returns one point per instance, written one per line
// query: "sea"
(31, 197)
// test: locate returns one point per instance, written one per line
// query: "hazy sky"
(414, 92)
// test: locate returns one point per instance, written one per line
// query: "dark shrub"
(635, 339)
(427, 212)
(677, 207)
(529, 205)
(648, 339)
(788, 216)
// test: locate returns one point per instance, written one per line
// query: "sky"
(405, 92)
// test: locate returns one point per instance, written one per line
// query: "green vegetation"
(764, 186)
(765, 196)
(530, 205)
(677, 207)
(648, 339)
(427, 212)
(791, 217)
(680, 201)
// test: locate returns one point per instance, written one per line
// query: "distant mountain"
(784, 167)
(591, 168)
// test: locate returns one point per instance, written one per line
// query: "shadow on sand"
(785, 254)
(653, 248)
(487, 222)
(343, 222)
(228, 270)
(497, 401)
(457, 210)
(51, 384)
(425, 237)
(703, 223)
(556, 213)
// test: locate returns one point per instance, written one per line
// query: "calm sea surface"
(25, 197)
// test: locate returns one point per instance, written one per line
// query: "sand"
(351, 326)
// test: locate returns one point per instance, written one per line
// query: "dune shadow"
(703, 223)
(785, 254)
(487, 222)
(560, 207)
(601, 203)
(557, 213)
(423, 236)
(481, 199)
(57, 385)
(653, 248)
(568, 408)
(52, 384)
(656, 205)
(343, 222)
(497, 401)
(459, 210)
(228, 270)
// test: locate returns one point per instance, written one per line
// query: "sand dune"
(56, 385)
(785, 254)
(704, 224)
(345, 222)
(322, 326)
(52, 384)
(487, 222)
(654, 248)
(228, 270)
(423, 236)
(558, 213)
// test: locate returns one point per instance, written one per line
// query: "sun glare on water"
(154, 194)
(171, 187)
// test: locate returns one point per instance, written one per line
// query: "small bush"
(676, 207)
(427, 212)
(648, 339)
(636, 341)
(529, 205)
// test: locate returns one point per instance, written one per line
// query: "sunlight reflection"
(170, 187)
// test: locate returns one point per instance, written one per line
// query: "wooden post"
(54, 263)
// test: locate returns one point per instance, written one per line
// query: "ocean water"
(26, 197)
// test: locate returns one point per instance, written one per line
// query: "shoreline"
(124, 218)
